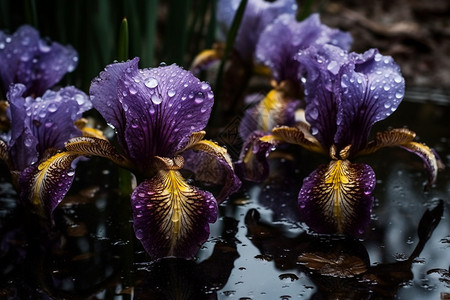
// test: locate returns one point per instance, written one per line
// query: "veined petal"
(45, 184)
(337, 198)
(43, 123)
(258, 14)
(106, 99)
(154, 110)
(372, 87)
(207, 57)
(404, 138)
(37, 63)
(299, 136)
(171, 218)
(281, 41)
(253, 164)
(322, 86)
(85, 146)
(212, 165)
(275, 109)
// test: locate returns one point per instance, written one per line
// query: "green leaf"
(123, 41)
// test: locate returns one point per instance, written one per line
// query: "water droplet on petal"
(156, 99)
(199, 97)
(171, 93)
(314, 113)
(140, 234)
(399, 95)
(52, 107)
(151, 83)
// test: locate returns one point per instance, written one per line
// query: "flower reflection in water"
(339, 266)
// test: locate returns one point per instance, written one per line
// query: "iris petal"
(45, 184)
(281, 40)
(252, 164)
(275, 109)
(171, 218)
(337, 198)
(300, 136)
(32, 61)
(212, 165)
(258, 14)
(372, 87)
(154, 110)
(404, 138)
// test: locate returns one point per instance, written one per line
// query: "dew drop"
(199, 97)
(171, 93)
(314, 113)
(151, 83)
(399, 95)
(156, 99)
(52, 107)
(140, 234)
(386, 87)
(205, 86)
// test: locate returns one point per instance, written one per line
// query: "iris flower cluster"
(323, 98)
(326, 99)
(158, 114)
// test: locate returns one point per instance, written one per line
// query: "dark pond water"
(258, 248)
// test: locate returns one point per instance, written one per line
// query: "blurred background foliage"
(169, 31)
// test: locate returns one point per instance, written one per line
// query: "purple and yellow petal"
(299, 135)
(252, 164)
(275, 109)
(171, 218)
(337, 198)
(404, 138)
(44, 185)
(211, 165)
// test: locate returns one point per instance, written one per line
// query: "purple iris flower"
(37, 63)
(257, 16)
(39, 127)
(277, 48)
(345, 94)
(158, 115)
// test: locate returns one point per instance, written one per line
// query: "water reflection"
(339, 266)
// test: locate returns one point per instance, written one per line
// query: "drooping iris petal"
(43, 123)
(156, 110)
(171, 218)
(258, 14)
(45, 184)
(252, 164)
(275, 109)
(372, 87)
(299, 135)
(322, 65)
(37, 63)
(212, 165)
(337, 198)
(404, 138)
(281, 41)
